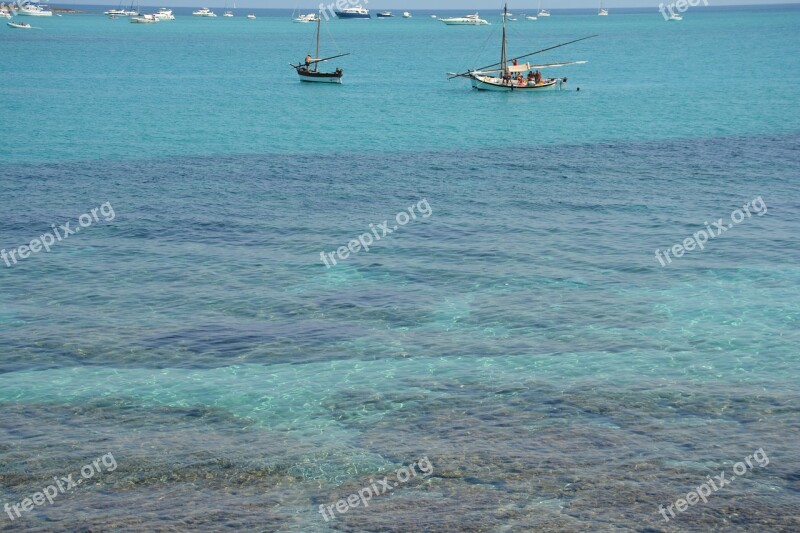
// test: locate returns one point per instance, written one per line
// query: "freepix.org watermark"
(58, 234)
(363, 496)
(365, 240)
(700, 238)
(703, 491)
(13, 7)
(680, 5)
(61, 486)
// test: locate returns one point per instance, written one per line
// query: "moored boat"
(310, 17)
(466, 20)
(144, 19)
(384, 15)
(33, 9)
(503, 79)
(164, 14)
(251, 16)
(204, 12)
(406, 15)
(356, 12)
(674, 17)
(309, 71)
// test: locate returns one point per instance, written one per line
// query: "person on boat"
(537, 77)
(308, 60)
(514, 62)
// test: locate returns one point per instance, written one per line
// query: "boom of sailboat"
(466, 74)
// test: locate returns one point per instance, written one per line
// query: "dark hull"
(351, 15)
(320, 77)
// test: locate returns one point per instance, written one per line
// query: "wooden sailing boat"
(308, 70)
(509, 77)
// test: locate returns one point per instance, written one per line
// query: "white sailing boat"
(502, 79)
(602, 12)
(228, 13)
(309, 71)
(543, 12)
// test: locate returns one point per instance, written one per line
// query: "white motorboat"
(251, 16)
(305, 19)
(466, 20)
(384, 15)
(674, 17)
(19, 25)
(33, 9)
(531, 17)
(164, 14)
(357, 12)
(503, 79)
(406, 15)
(228, 14)
(5, 15)
(144, 19)
(205, 12)
(115, 12)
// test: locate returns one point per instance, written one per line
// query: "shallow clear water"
(523, 336)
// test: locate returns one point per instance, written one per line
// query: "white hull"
(25, 13)
(531, 18)
(465, 22)
(488, 83)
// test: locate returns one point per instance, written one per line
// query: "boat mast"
(503, 61)
(319, 23)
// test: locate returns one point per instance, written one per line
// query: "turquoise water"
(521, 334)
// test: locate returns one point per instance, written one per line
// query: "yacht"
(164, 14)
(531, 17)
(406, 15)
(466, 20)
(33, 10)
(384, 14)
(310, 17)
(115, 12)
(356, 12)
(251, 16)
(205, 12)
(543, 12)
(674, 16)
(144, 19)
(228, 14)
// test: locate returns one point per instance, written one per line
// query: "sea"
(232, 301)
